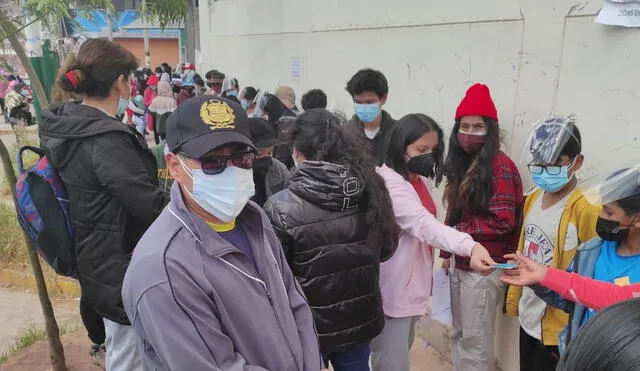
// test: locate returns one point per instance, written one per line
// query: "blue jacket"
(584, 264)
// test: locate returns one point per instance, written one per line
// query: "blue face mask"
(222, 195)
(232, 93)
(552, 183)
(367, 113)
(244, 103)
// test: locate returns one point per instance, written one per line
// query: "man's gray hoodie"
(197, 302)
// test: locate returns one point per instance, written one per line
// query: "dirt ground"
(76, 345)
(20, 309)
(36, 358)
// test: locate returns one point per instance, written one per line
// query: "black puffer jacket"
(111, 178)
(320, 222)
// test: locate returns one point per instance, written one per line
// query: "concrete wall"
(162, 50)
(538, 57)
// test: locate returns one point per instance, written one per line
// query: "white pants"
(390, 349)
(474, 300)
(122, 348)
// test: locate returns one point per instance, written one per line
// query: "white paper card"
(617, 13)
(441, 297)
(296, 68)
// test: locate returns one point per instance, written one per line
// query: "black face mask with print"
(422, 165)
(609, 230)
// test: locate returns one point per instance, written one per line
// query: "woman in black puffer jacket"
(336, 224)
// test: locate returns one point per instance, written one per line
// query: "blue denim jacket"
(584, 264)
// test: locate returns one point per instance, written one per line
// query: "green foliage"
(165, 12)
(13, 249)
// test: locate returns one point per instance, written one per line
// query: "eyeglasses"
(216, 84)
(213, 165)
(550, 169)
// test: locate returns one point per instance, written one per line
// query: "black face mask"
(609, 230)
(422, 165)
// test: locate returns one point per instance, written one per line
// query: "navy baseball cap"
(202, 124)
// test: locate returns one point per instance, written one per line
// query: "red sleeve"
(591, 293)
(502, 216)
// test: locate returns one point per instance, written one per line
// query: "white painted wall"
(537, 56)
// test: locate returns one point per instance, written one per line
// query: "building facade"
(539, 57)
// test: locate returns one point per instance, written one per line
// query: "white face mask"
(222, 195)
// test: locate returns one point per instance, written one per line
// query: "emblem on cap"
(217, 114)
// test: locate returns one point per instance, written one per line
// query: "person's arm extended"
(164, 325)
(121, 170)
(591, 293)
(417, 221)
(501, 217)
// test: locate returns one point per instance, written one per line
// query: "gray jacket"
(197, 302)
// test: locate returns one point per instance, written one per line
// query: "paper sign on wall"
(625, 13)
(296, 68)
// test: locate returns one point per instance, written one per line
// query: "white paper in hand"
(441, 297)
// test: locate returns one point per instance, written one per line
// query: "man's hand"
(481, 261)
(528, 272)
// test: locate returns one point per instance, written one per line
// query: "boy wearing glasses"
(208, 287)
(557, 218)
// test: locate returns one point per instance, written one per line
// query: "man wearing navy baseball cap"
(208, 287)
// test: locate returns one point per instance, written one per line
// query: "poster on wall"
(296, 69)
(624, 13)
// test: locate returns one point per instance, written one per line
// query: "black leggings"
(92, 322)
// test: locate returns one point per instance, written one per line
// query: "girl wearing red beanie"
(484, 199)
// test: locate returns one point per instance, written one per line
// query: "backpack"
(44, 213)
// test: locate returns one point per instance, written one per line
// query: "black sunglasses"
(213, 165)
(212, 84)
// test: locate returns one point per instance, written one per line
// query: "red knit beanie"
(477, 102)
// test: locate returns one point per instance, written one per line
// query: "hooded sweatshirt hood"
(330, 186)
(64, 122)
(164, 102)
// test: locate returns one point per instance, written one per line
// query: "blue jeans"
(354, 359)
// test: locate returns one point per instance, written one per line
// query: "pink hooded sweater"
(405, 279)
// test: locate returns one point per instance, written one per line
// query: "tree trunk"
(147, 50)
(56, 352)
(7, 27)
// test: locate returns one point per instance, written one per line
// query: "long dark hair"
(406, 131)
(470, 176)
(608, 342)
(319, 136)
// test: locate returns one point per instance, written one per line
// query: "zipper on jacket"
(275, 314)
(560, 256)
(573, 306)
(261, 282)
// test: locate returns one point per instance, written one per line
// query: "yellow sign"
(217, 114)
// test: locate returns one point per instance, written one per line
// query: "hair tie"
(72, 77)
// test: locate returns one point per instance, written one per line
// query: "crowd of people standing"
(295, 239)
